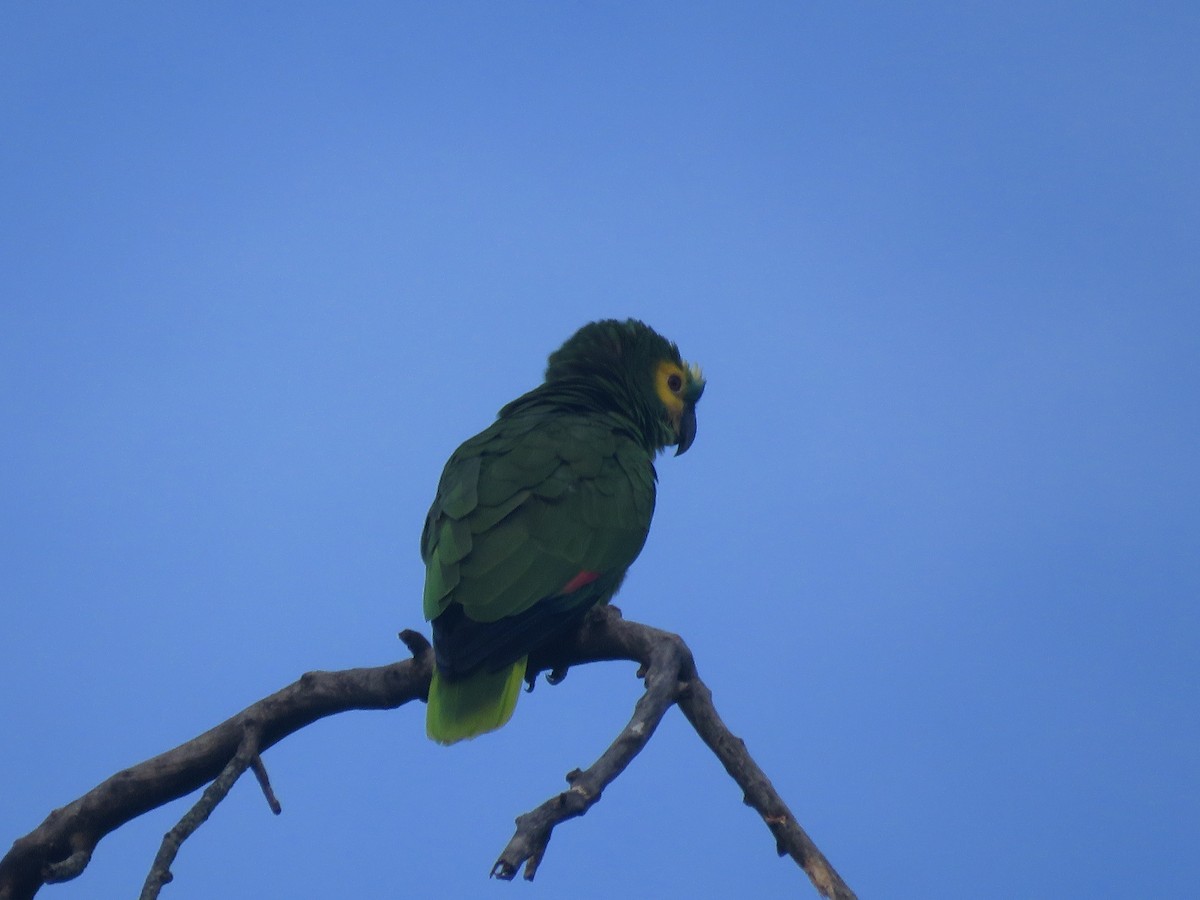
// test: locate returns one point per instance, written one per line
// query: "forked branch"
(671, 678)
(61, 847)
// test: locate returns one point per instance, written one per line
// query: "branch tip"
(502, 871)
(416, 642)
(264, 782)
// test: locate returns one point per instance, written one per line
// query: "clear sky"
(937, 545)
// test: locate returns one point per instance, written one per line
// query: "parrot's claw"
(557, 675)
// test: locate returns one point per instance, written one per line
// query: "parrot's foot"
(554, 676)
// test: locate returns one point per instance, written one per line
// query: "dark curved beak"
(687, 430)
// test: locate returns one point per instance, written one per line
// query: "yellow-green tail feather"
(474, 705)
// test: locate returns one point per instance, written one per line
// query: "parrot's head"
(630, 368)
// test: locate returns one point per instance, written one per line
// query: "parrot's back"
(536, 520)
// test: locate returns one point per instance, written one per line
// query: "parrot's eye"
(674, 382)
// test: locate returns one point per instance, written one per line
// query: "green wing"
(536, 519)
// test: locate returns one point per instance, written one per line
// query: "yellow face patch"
(670, 379)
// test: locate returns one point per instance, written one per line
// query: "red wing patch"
(584, 577)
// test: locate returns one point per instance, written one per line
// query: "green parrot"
(538, 517)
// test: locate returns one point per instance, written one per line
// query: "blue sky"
(937, 545)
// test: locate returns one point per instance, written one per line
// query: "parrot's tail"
(473, 705)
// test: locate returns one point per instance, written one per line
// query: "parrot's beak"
(687, 429)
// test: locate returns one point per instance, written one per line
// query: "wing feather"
(521, 510)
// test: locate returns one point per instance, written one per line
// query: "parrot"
(538, 517)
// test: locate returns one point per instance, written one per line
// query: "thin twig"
(160, 871)
(264, 782)
(528, 844)
(696, 704)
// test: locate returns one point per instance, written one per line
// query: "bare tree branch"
(61, 847)
(671, 678)
(759, 793)
(662, 657)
